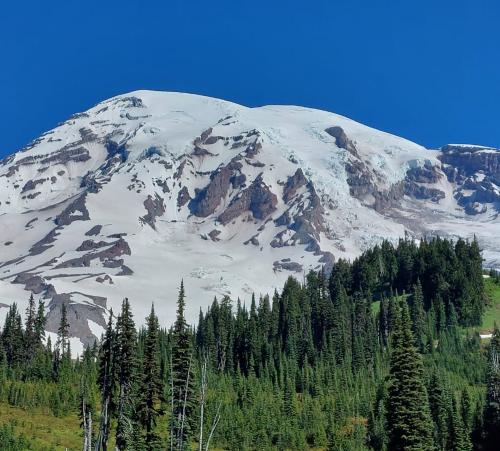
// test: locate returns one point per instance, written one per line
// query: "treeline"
(371, 356)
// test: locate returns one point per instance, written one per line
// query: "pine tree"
(106, 379)
(40, 323)
(39, 364)
(149, 408)
(62, 352)
(126, 365)
(466, 410)
(341, 337)
(30, 338)
(458, 436)
(63, 333)
(12, 337)
(418, 316)
(408, 415)
(438, 401)
(183, 390)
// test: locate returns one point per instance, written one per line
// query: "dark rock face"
(116, 249)
(305, 218)
(45, 243)
(293, 184)
(476, 173)
(67, 216)
(360, 179)
(363, 186)
(96, 230)
(469, 160)
(89, 245)
(155, 207)
(33, 195)
(183, 197)
(74, 153)
(422, 192)
(31, 184)
(32, 282)
(132, 102)
(287, 265)
(309, 223)
(416, 179)
(214, 234)
(163, 184)
(253, 240)
(257, 198)
(426, 174)
(104, 279)
(341, 139)
(208, 199)
(204, 139)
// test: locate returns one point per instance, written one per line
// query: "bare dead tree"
(171, 404)
(102, 437)
(203, 390)
(183, 417)
(203, 397)
(87, 427)
(215, 422)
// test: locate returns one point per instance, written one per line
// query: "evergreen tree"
(149, 408)
(458, 437)
(62, 353)
(439, 409)
(183, 390)
(126, 367)
(408, 416)
(30, 338)
(106, 380)
(418, 316)
(12, 337)
(62, 344)
(40, 323)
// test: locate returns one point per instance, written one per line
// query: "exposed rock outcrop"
(208, 199)
(155, 207)
(183, 197)
(341, 139)
(257, 198)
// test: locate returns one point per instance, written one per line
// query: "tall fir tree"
(30, 338)
(408, 415)
(149, 408)
(418, 319)
(106, 380)
(126, 365)
(12, 337)
(183, 387)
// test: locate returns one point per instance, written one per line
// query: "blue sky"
(425, 70)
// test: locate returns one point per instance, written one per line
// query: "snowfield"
(148, 188)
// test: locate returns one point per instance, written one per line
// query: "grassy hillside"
(492, 312)
(41, 429)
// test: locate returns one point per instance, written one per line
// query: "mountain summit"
(147, 188)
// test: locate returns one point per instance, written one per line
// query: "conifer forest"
(380, 353)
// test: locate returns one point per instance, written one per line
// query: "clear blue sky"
(428, 70)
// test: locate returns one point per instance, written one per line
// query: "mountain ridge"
(148, 187)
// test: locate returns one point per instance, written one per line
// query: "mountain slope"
(147, 188)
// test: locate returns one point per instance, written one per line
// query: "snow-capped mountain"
(147, 188)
